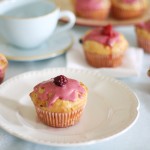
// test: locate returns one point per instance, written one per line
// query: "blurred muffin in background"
(3, 67)
(92, 9)
(143, 35)
(104, 47)
(128, 9)
(148, 72)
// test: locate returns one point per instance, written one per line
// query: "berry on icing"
(60, 80)
(107, 30)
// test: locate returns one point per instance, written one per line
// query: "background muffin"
(148, 72)
(92, 9)
(60, 101)
(3, 67)
(143, 35)
(128, 9)
(104, 47)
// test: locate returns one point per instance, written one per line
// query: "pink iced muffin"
(92, 9)
(104, 47)
(143, 35)
(128, 9)
(59, 101)
(3, 67)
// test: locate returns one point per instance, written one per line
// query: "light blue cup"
(28, 23)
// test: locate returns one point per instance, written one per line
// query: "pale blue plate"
(56, 45)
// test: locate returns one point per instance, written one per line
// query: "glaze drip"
(51, 92)
(105, 35)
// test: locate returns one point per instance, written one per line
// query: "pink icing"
(144, 25)
(129, 1)
(82, 5)
(101, 37)
(70, 91)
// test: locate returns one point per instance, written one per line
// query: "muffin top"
(143, 29)
(104, 35)
(91, 4)
(61, 88)
(135, 4)
(104, 40)
(144, 25)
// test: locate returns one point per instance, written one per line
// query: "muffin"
(148, 72)
(143, 35)
(92, 9)
(59, 101)
(104, 47)
(3, 67)
(128, 9)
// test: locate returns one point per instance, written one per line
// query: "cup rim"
(28, 18)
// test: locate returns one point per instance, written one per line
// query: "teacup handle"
(71, 21)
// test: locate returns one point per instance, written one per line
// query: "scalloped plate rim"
(98, 75)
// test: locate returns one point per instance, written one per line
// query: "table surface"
(136, 138)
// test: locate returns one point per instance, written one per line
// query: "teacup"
(28, 23)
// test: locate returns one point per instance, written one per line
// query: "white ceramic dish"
(49, 49)
(112, 108)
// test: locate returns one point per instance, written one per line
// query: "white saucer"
(56, 45)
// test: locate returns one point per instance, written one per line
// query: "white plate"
(56, 45)
(111, 109)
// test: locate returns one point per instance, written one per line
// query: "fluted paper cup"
(59, 120)
(98, 61)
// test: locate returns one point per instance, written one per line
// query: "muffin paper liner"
(121, 13)
(59, 120)
(97, 60)
(144, 43)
